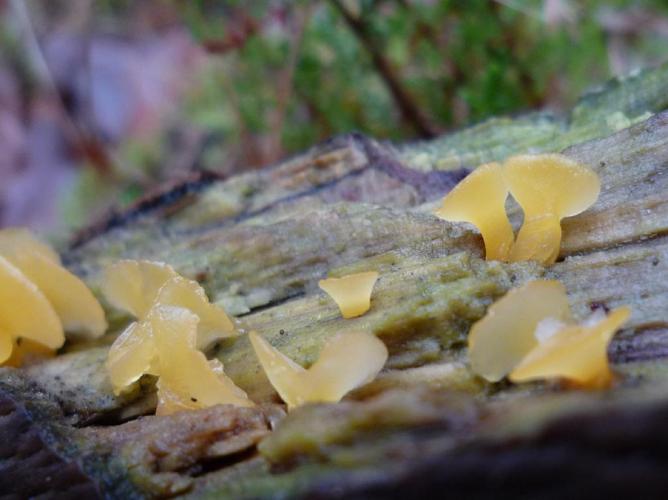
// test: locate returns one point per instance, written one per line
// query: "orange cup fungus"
(39, 298)
(175, 321)
(529, 334)
(548, 187)
(352, 293)
(347, 361)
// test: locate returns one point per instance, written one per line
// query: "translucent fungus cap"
(132, 285)
(164, 344)
(137, 286)
(578, 353)
(548, 188)
(347, 361)
(213, 322)
(78, 309)
(131, 356)
(15, 240)
(480, 199)
(187, 379)
(352, 293)
(529, 334)
(505, 335)
(25, 312)
(139, 350)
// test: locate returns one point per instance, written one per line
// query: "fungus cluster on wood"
(547, 187)
(40, 299)
(530, 334)
(175, 321)
(346, 361)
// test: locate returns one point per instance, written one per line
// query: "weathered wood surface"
(260, 242)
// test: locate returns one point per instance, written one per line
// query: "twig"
(409, 109)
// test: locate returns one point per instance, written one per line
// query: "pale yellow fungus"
(27, 352)
(530, 334)
(480, 200)
(501, 339)
(78, 309)
(346, 361)
(352, 293)
(187, 379)
(165, 341)
(131, 356)
(137, 286)
(577, 353)
(132, 285)
(16, 239)
(213, 324)
(25, 312)
(548, 188)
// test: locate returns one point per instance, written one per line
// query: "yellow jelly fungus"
(131, 356)
(187, 379)
(15, 240)
(577, 353)
(214, 323)
(500, 340)
(137, 352)
(137, 286)
(480, 200)
(78, 309)
(25, 313)
(530, 334)
(26, 352)
(347, 361)
(132, 285)
(548, 188)
(352, 293)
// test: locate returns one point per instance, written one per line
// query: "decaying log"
(426, 426)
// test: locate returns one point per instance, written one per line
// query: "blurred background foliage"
(102, 99)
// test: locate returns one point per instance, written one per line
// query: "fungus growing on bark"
(78, 309)
(132, 285)
(505, 335)
(548, 188)
(578, 353)
(352, 293)
(347, 361)
(480, 199)
(40, 299)
(144, 347)
(136, 286)
(25, 312)
(530, 334)
(187, 380)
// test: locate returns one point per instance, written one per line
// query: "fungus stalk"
(352, 293)
(480, 200)
(538, 239)
(548, 188)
